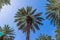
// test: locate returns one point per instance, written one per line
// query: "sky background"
(8, 12)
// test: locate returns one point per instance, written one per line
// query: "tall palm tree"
(53, 11)
(4, 2)
(8, 33)
(26, 20)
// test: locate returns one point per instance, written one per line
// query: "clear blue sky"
(8, 12)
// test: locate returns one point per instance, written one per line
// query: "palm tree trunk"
(28, 32)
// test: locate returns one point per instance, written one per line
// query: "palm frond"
(22, 25)
(36, 26)
(4, 2)
(32, 28)
(51, 1)
(33, 11)
(39, 14)
(38, 22)
(39, 18)
(29, 9)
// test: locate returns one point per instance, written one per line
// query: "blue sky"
(8, 12)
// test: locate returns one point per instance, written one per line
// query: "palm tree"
(41, 37)
(44, 37)
(26, 20)
(49, 38)
(57, 33)
(8, 33)
(3, 2)
(53, 11)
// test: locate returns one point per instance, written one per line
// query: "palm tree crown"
(26, 19)
(53, 11)
(8, 33)
(25, 16)
(44, 37)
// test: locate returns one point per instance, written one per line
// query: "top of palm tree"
(53, 11)
(25, 16)
(44, 37)
(4, 2)
(7, 32)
